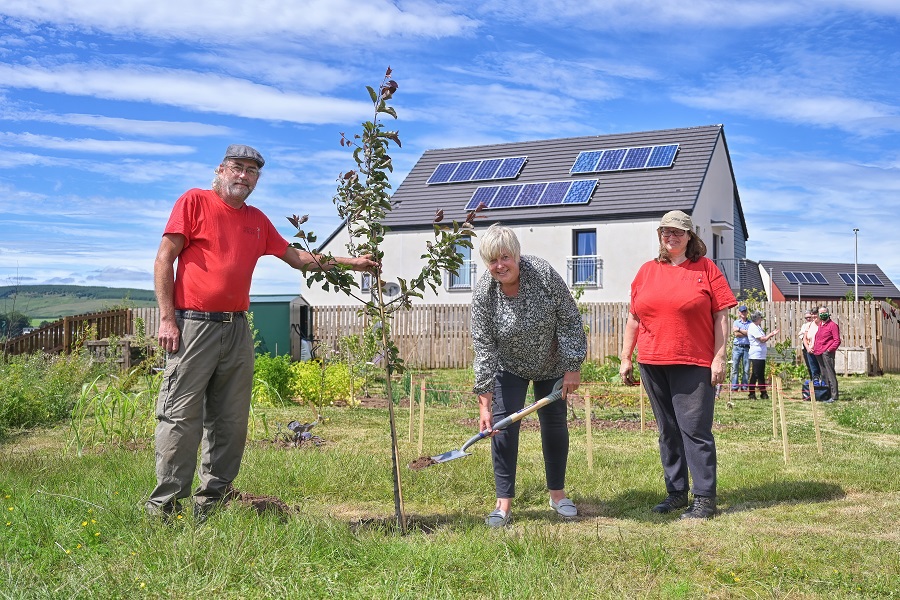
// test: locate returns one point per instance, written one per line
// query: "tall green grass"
(821, 526)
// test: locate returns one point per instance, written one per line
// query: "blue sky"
(110, 110)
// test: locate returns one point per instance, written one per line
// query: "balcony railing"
(464, 280)
(586, 271)
(732, 268)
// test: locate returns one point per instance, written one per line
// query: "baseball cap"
(742, 308)
(678, 220)
(242, 151)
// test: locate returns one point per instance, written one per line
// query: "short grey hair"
(756, 316)
(498, 240)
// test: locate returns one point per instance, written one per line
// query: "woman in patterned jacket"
(525, 328)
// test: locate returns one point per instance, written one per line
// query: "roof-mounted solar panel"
(662, 156)
(586, 162)
(510, 168)
(791, 277)
(487, 169)
(555, 192)
(507, 195)
(465, 170)
(580, 192)
(483, 194)
(442, 173)
(531, 193)
(611, 160)
(636, 158)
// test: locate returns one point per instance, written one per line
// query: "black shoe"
(703, 507)
(751, 396)
(673, 501)
(202, 511)
(166, 512)
(764, 396)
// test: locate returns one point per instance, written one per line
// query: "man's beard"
(231, 191)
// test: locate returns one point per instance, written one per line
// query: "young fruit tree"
(363, 201)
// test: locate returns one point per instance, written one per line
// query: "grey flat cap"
(242, 151)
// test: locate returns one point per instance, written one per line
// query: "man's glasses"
(672, 232)
(238, 170)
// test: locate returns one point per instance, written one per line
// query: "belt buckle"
(229, 317)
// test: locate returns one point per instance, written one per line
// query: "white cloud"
(119, 125)
(263, 21)
(92, 146)
(202, 92)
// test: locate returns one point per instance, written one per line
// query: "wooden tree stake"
(641, 395)
(421, 416)
(412, 402)
(815, 415)
(784, 434)
(588, 432)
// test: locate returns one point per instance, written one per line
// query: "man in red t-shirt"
(205, 396)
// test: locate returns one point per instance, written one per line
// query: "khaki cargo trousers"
(204, 401)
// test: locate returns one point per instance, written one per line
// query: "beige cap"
(678, 220)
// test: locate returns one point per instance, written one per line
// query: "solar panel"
(580, 192)
(465, 170)
(506, 197)
(847, 277)
(510, 168)
(487, 169)
(586, 162)
(662, 156)
(790, 276)
(636, 158)
(483, 194)
(531, 193)
(862, 278)
(611, 160)
(820, 279)
(805, 277)
(442, 173)
(555, 192)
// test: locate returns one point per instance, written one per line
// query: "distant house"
(589, 205)
(790, 280)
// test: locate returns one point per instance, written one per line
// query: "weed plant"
(820, 526)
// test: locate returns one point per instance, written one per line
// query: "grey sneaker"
(703, 507)
(673, 501)
(564, 508)
(498, 519)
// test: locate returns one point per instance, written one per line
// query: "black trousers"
(683, 400)
(758, 376)
(509, 397)
(826, 365)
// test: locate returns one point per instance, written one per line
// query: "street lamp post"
(856, 264)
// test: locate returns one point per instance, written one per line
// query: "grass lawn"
(821, 526)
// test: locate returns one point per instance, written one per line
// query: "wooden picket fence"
(438, 336)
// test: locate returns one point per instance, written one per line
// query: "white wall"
(716, 203)
(623, 246)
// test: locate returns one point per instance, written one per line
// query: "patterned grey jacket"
(537, 335)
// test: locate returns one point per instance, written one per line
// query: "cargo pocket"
(164, 402)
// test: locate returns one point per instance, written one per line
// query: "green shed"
(272, 317)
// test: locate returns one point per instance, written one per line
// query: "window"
(584, 266)
(466, 276)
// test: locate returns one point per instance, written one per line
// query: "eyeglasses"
(810, 317)
(238, 170)
(672, 232)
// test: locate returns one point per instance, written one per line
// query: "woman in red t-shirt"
(679, 322)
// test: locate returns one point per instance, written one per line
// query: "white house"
(590, 205)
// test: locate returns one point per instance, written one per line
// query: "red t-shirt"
(221, 247)
(675, 305)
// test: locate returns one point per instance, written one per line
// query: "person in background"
(679, 321)
(740, 351)
(758, 349)
(525, 328)
(828, 340)
(204, 401)
(807, 337)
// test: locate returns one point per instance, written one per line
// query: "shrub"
(313, 382)
(271, 380)
(40, 389)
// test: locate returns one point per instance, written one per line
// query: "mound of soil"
(260, 503)
(422, 462)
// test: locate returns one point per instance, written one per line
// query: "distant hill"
(52, 302)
